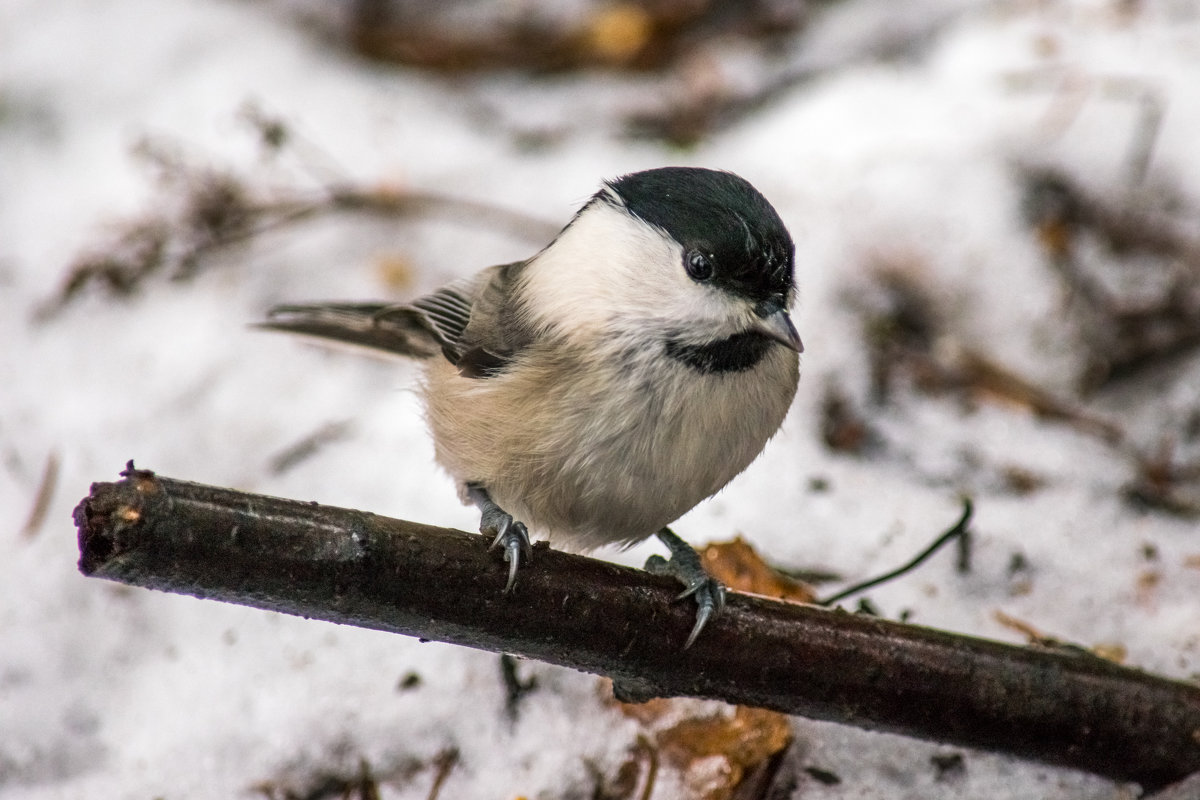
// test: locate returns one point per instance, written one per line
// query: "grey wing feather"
(447, 312)
(464, 320)
(496, 331)
(374, 325)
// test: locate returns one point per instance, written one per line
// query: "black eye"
(698, 265)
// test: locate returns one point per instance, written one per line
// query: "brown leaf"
(712, 748)
(648, 713)
(716, 752)
(740, 567)
(746, 738)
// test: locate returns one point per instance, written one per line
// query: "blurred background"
(998, 254)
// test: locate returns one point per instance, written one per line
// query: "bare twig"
(1071, 90)
(356, 568)
(1140, 302)
(443, 763)
(905, 336)
(212, 211)
(306, 448)
(960, 530)
(41, 500)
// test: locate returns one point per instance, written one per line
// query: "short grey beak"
(778, 326)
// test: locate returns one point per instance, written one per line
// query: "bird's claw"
(708, 592)
(511, 536)
(710, 599)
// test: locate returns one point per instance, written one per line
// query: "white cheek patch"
(609, 273)
(604, 267)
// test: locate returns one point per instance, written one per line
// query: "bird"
(600, 389)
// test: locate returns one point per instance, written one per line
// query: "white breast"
(629, 444)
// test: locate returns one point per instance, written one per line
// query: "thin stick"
(356, 568)
(959, 530)
(41, 500)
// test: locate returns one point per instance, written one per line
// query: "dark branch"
(351, 567)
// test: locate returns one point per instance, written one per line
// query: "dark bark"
(1052, 705)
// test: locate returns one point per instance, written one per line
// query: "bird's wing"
(492, 332)
(374, 325)
(467, 321)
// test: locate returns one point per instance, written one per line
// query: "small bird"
(596, 392)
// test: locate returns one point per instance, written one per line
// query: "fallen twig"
(206, 211)
(959, 531)
(43, 497)
(357, 568)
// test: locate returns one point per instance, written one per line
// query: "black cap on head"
(722, 217)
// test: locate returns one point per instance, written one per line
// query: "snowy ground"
(110, 692)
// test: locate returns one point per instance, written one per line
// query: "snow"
(112, 692)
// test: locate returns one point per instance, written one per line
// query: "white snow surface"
(113, 692)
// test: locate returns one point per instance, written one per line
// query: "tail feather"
(390, 328)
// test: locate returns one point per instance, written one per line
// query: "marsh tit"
(597, 391)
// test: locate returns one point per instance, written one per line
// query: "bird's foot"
(686, 567)
(511, 536)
